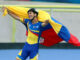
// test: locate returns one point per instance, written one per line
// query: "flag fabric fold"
(53, 33)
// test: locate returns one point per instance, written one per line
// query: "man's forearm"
(13, 15)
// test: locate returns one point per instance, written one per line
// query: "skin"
(33, 17)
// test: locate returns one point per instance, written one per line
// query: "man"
(31, 46)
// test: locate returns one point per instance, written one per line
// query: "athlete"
(34, 27)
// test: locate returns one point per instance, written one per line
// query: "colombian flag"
(53, 36)
(53, 33)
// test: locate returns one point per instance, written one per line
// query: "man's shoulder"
(27, 19)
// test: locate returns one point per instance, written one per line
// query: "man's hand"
(45, 23)
(3, 8)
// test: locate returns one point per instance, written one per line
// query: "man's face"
(31, 15)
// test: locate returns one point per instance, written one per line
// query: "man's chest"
(34, 26)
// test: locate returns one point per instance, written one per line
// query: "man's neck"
(35, 20)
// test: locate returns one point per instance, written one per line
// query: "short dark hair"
(33, 10)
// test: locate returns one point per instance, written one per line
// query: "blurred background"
(13, 33)
(59, 1)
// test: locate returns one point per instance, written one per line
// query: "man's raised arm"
(12, 14)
